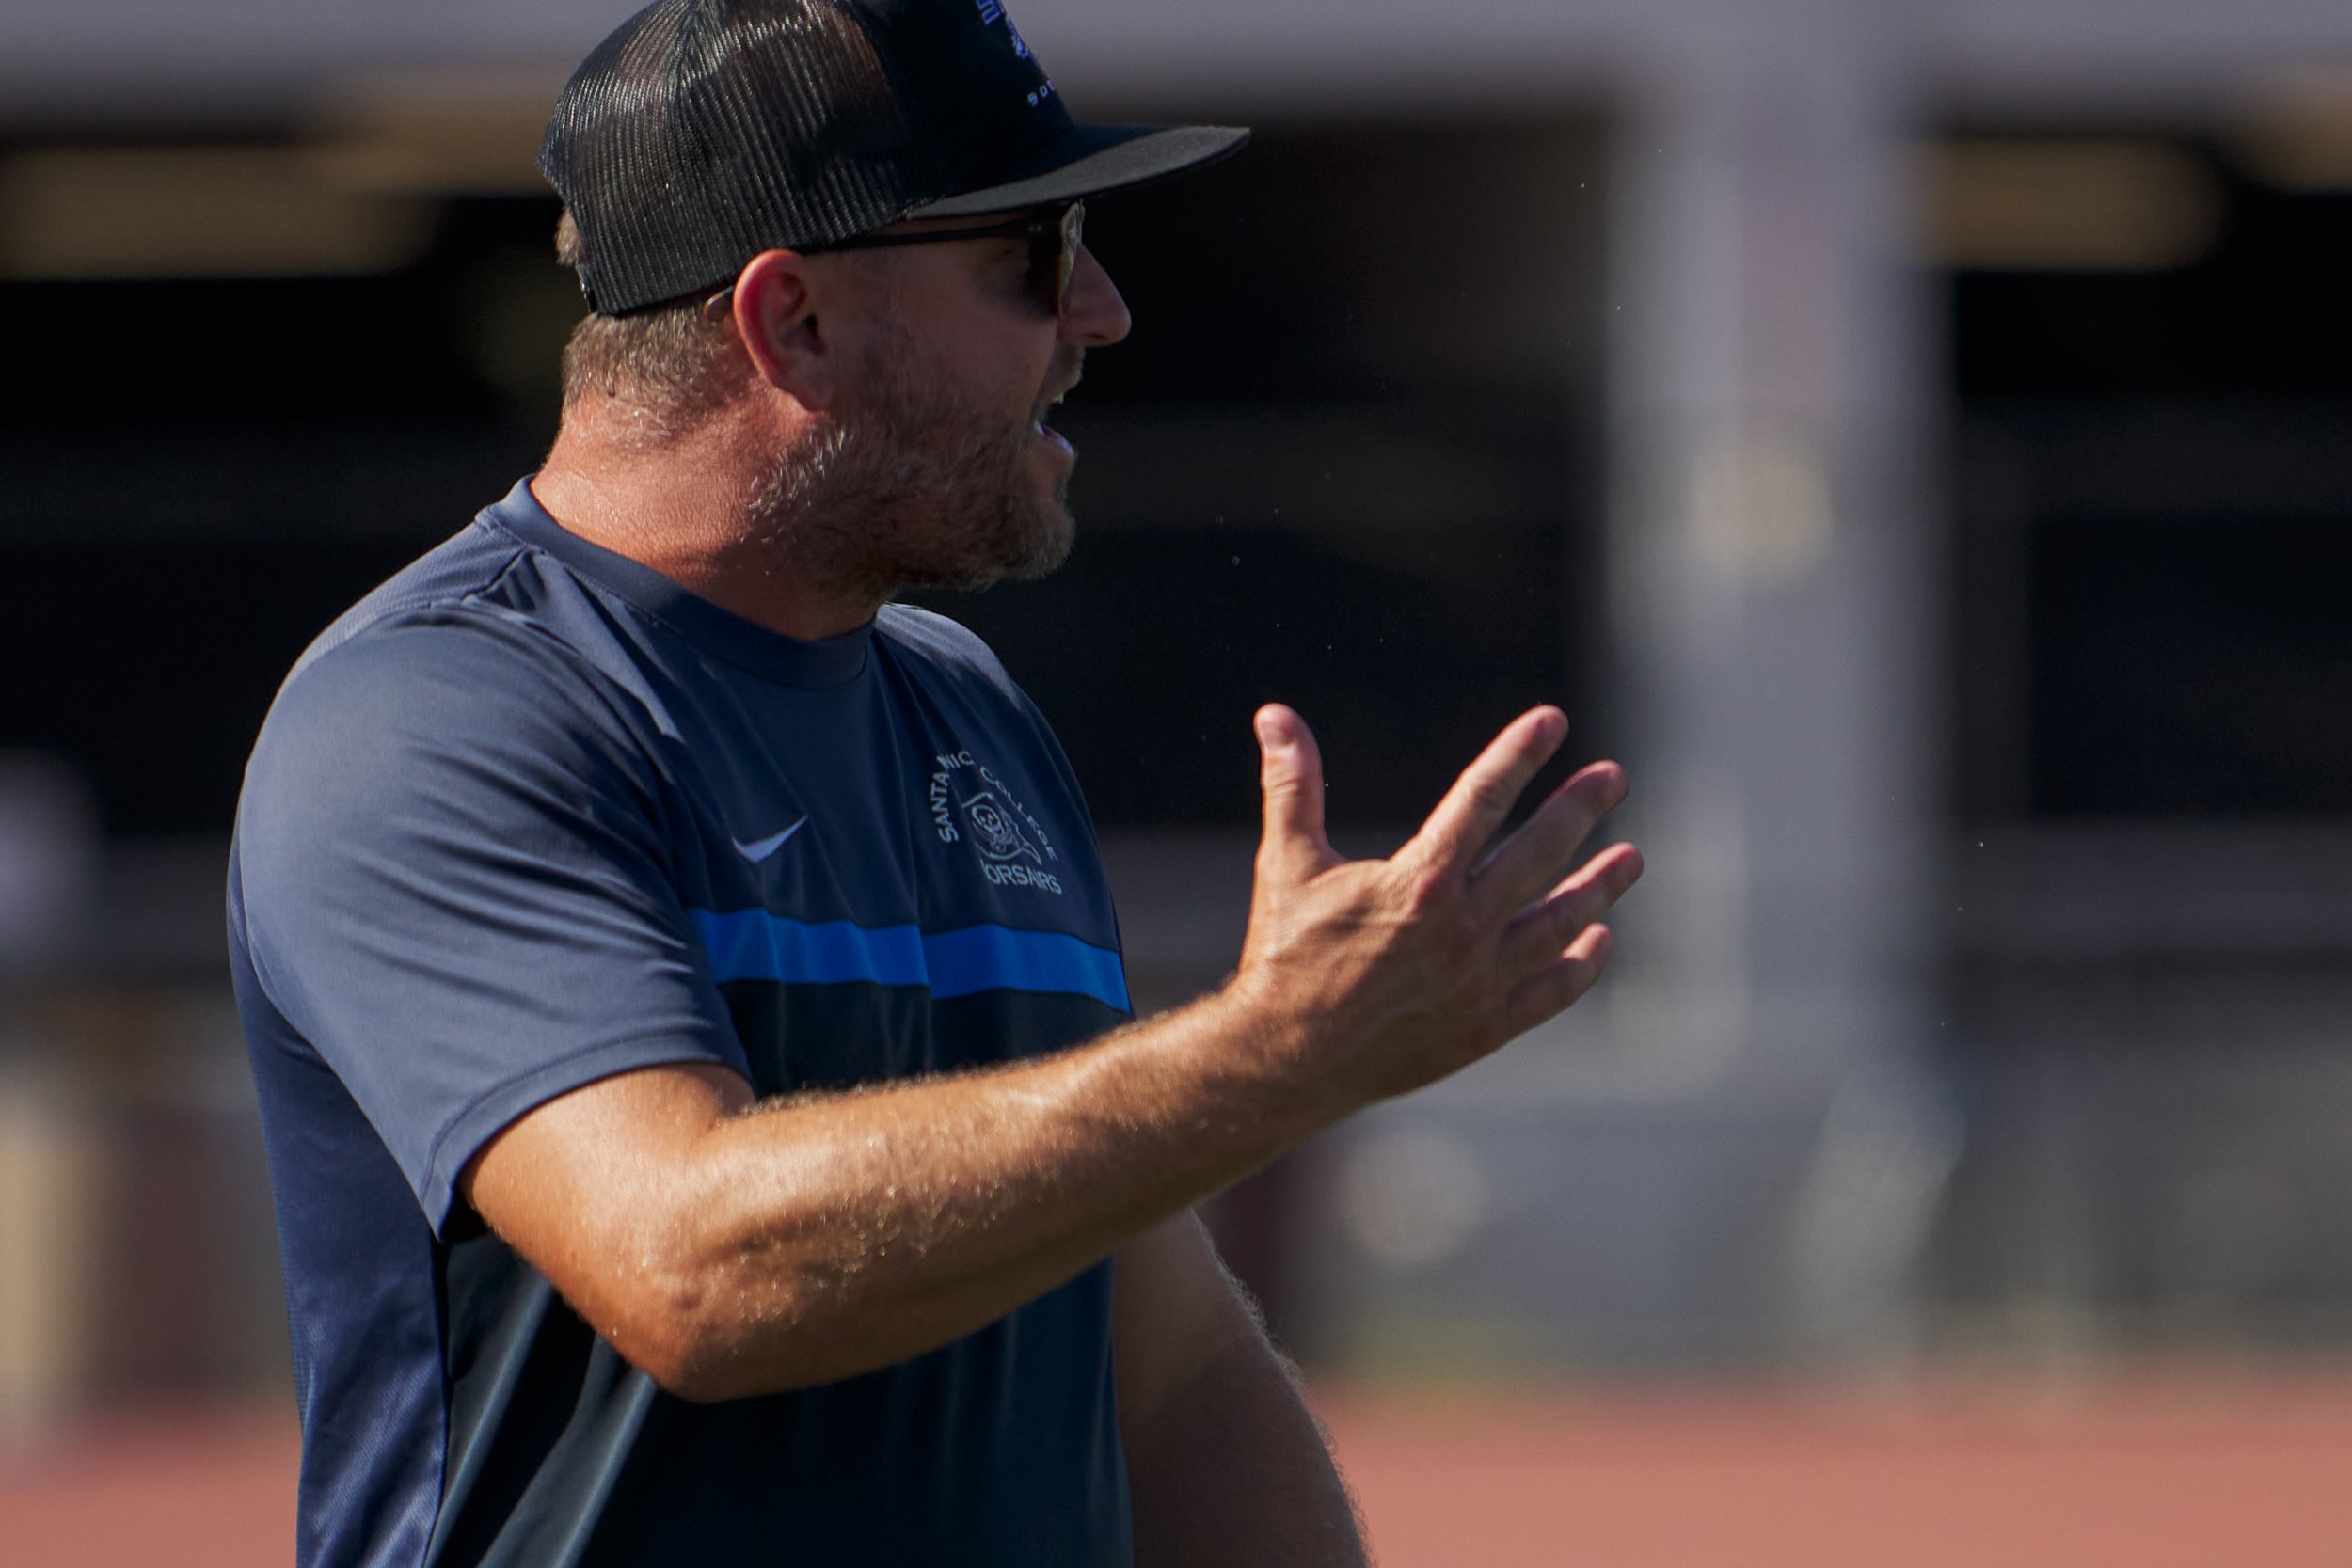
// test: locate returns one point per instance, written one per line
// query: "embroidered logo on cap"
(991, 12)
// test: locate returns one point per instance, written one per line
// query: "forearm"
(1232, 1469)
(729, 1249)
(823, 1237)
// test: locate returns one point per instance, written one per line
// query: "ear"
(776, 315)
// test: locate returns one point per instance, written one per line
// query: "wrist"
(1269, 1039)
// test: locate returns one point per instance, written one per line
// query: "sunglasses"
(1054, 240)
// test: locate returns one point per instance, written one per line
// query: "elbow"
(699, 1384)
(666, 1318)
(706, 1340)
(683, 1367)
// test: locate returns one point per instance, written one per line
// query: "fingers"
(1524, 864)
(1554, 988)
(1482, 798)
(1290, 773)
(1539, 933)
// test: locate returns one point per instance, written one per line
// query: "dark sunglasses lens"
(1054, 258)
(1073, 223)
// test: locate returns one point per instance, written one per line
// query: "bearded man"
(706, 1115)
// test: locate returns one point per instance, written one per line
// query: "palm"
(1388, 973)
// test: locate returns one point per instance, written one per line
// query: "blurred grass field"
(2168, 1469)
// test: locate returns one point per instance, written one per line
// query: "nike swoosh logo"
(760, 848)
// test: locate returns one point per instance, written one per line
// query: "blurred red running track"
(2156, 1473)
(192, 1489)
(2170, 1472)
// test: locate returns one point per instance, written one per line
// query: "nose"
(1094, 314)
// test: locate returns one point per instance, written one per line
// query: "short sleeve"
(453, 872)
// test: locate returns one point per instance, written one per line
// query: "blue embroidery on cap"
(989, 11)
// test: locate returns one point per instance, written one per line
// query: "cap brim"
(1091, 160)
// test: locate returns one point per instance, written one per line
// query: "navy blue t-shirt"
(531, 814)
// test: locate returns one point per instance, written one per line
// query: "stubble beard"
(913, 489)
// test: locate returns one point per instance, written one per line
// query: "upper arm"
(452, 883)
(1174, 1310)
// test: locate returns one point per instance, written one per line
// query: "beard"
(914, 488)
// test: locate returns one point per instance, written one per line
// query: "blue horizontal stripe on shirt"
(753, 944)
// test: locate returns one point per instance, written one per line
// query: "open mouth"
(1046, 433)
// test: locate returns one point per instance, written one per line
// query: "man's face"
(940, 469)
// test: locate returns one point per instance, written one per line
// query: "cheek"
(1027, 383)
(1019, 359)
(987, 391)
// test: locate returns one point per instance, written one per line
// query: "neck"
(684, 506)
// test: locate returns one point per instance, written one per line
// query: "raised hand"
(1371, 978)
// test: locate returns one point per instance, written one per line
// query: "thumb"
(1290, 773)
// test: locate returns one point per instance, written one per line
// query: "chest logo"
(760, 850)
(994, 833)
(971, 803)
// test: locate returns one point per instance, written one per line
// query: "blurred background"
(1916, 438)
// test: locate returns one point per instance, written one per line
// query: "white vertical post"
(1772, 612)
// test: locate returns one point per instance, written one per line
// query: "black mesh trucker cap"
(704, 131)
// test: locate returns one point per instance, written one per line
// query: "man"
(694, 1056)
